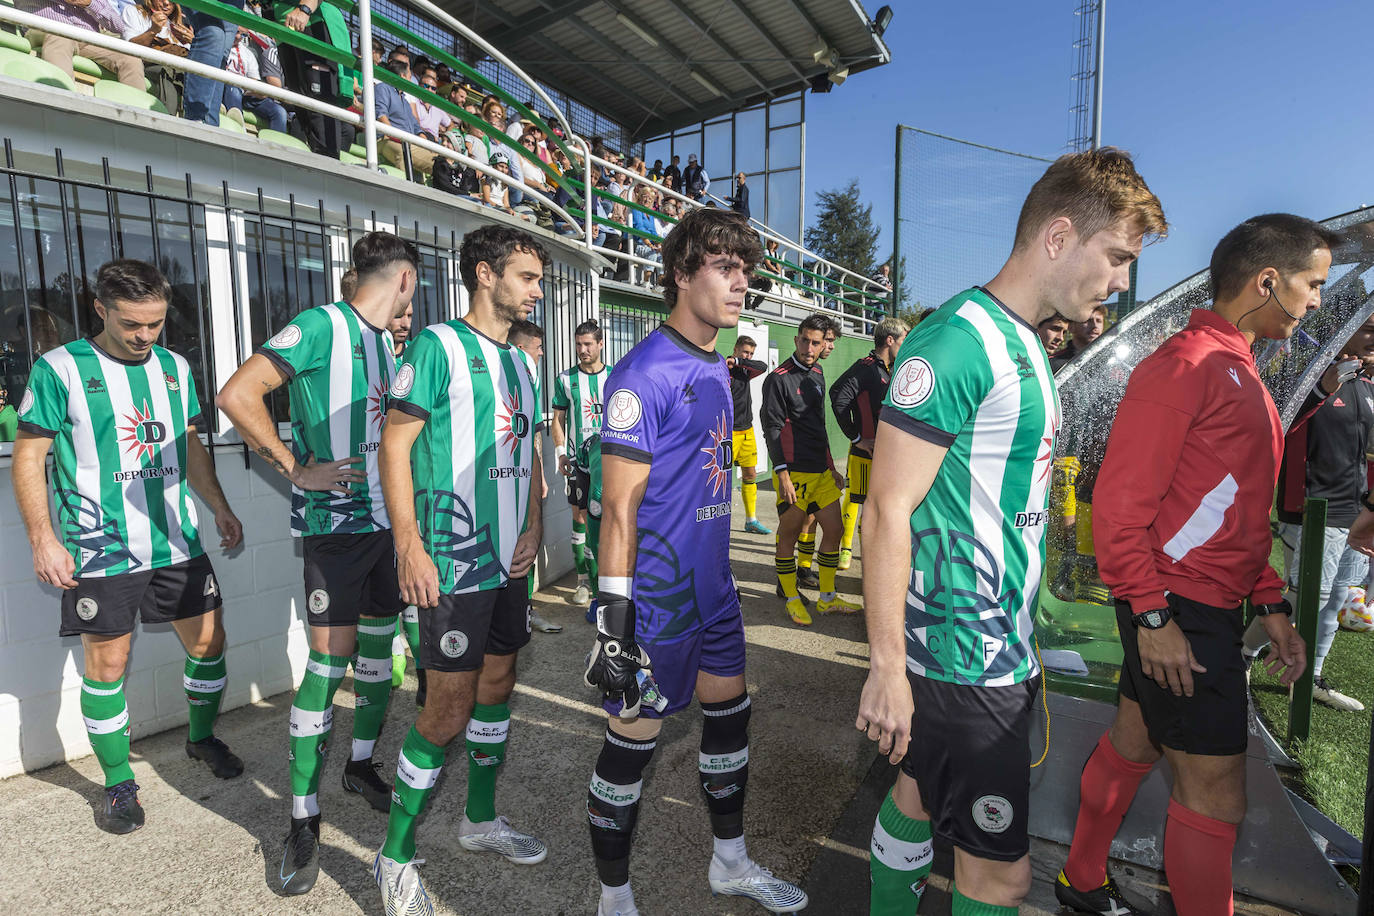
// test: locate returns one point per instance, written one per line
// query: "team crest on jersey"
(172, 383)
(719, 453)
(404, 381)
(286, 338)
(87, 608)
(992, 814)
(913, 382)
(26, 404)
(591, 413)
(319, 601)
(142, 435)
(511, 425)
(454, 643)
(623, 410)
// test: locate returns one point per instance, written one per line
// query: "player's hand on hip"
(419, 577)
(565, 467)
(230, 529)
(840, 482)
(789, 492)
(885, 710)
(54, 565)
(332, 476)
(1167, 657)
(1287, 649)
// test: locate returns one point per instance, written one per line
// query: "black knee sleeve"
(613, 804)
(724, 763)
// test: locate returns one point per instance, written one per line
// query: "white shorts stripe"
(1205, 521)
(108, 726)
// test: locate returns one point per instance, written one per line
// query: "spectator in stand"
(740, 202)
(444, 75)
(644, 222)
(9, 418)
(496, 193)
(536, 180)
(673, 172)
(448, 173)
(656, 173)
(210, 46)
(160, 25)
(1083, 333)
(458, 95)
(1051, 332)
(378, 52)
(92, 15)
(494, 113)
(694, 179)
(246, 59)
(433, 119)
(394, 110)
(477, 145)
(309, 74)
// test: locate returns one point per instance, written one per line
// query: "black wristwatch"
(1277, 607)
(305, 9)
(1364, 500)
(1152, 620)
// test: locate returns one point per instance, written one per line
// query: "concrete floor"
(209, 845)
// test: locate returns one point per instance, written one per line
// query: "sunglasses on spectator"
(431, 86)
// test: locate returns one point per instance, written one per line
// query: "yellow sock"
(851, 521)
(787, 575)
(806, 546)
(750, 493)
(829, 562)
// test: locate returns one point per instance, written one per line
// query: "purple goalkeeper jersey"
(668, 405)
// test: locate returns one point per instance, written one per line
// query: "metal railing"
(831, 287)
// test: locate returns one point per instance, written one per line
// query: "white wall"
(40, 673)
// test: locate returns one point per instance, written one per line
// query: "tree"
(843, 231)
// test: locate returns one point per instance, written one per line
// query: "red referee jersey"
(1182, 500)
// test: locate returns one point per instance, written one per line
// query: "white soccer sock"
(827, 596)
(731, 852)
(362, 749)
(303, 806)
(617, 895)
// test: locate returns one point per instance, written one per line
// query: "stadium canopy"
(656, 65)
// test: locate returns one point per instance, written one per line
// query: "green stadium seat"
(281, 139)
(358, 150)
(14, 42)
(229, 124)
(87, 66)
(116, 91)
(392, 171)
(347, 158)
(250, 118)
(33, 70)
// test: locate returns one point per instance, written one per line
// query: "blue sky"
(1231, 109)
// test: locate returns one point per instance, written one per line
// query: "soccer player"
(667, 604)
(400, 331)
(857, 399)
(458, 461)
(408, 627)
(806, 541)
(338, 361)
(529, 337)
(576, 415)
(744, 368)
(804, 474)
(124, 414)
(1182, 535)
(953, 539)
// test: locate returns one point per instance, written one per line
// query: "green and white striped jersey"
(579, 393)
(472, 461)
(119, 459)
(340, 369)
(973, 377)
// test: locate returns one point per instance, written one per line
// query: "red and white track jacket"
(1182, 500)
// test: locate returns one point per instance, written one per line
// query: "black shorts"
(579, 487)
(108, 605)
(455, 635)
(1215, 719)
(348, 576)
(970, 757)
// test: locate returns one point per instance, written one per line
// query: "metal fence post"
(895, 305)
(1309, 606)
(369, 90)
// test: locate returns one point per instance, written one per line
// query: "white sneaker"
(1323, 692)
(758, 884)
(403, 893)
(582, 595)
(544, 626)
(616, 910)
(500, 837)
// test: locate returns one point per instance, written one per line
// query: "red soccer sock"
(1106, 789)
(1197, 862)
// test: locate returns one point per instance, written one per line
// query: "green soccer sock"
(204, 680)
(371, 682)
(416, 772)
(579, 546)
(806, 547)
(900, 860)
(486, 742)
(967, 906)
(107, 722)
(312, 717)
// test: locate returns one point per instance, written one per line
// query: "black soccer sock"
(724, 764)
(613, 804)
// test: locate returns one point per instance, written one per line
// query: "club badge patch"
(86, 608)
(992, 814)
(623, 410)
(286, 338)
(403, 382)
(319, 601)
(454, 643)
(913, 382)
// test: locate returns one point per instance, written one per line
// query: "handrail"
(272, 29)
